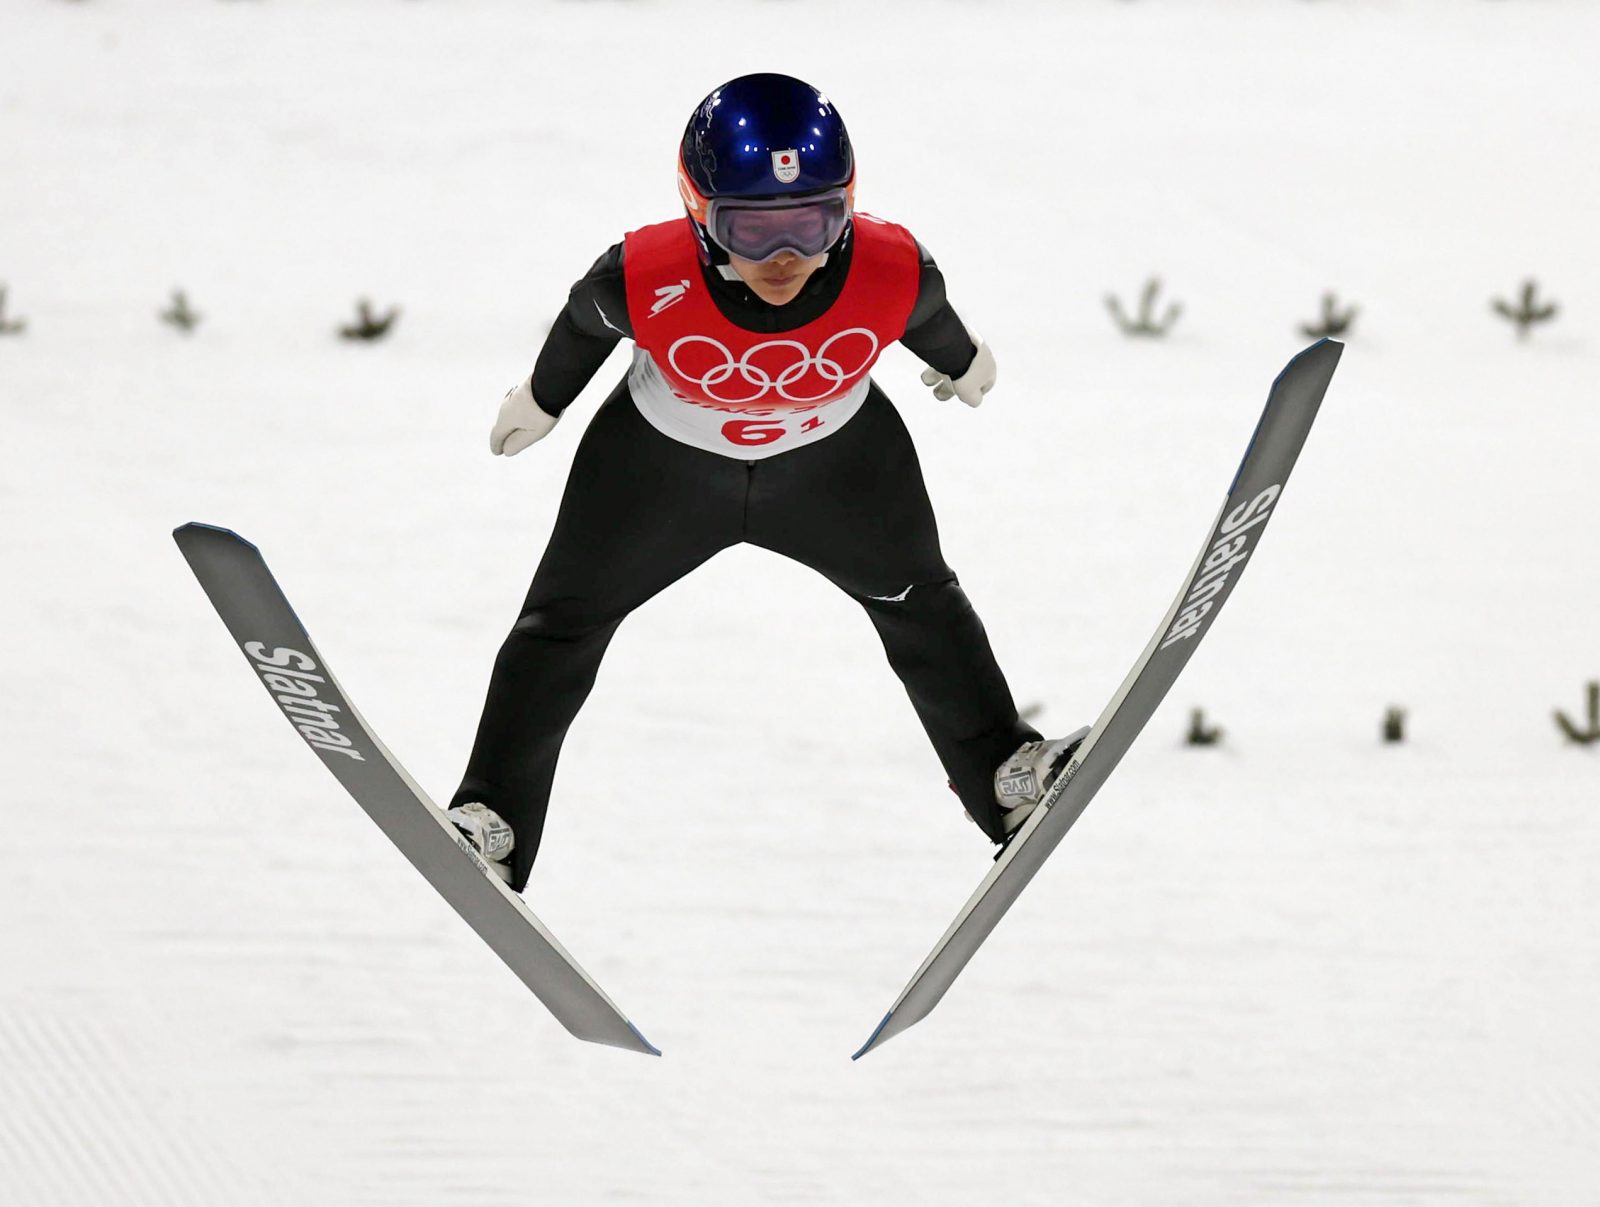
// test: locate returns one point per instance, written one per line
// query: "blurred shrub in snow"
(1334, 322)
(1145, 323)
(369, 326)
(178, 313)
(9, 326)
(1201, 734)
(1584, 737)
(1528, 309)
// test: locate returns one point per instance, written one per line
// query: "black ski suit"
(641, 510)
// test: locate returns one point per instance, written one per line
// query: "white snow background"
(1300, 967)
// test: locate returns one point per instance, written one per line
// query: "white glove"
(522, 422)
(972, 385)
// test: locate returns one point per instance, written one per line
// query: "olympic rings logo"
(775, 365)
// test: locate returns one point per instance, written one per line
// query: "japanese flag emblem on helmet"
(786, 165)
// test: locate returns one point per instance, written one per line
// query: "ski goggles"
(762, 230)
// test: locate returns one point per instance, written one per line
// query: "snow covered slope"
(1298, 967)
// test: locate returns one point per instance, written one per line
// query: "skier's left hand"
(972, 385)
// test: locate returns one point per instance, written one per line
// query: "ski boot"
(488, 832)
(1024, 778)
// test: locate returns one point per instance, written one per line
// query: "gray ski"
(277, 647)
(1291, 407)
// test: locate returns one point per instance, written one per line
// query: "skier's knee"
(943, 597)
(562, 620)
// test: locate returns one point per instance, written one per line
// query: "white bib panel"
(743, 432)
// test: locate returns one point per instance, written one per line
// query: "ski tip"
(650, 1048)
(1330, 349)
(872, 1040)
(196, 530)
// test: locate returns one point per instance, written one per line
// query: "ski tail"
(269, 633)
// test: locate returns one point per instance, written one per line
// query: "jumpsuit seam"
(749, 487)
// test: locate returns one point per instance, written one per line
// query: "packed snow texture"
(1299, 967)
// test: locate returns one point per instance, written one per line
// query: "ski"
(256, 612)
(1291, 407)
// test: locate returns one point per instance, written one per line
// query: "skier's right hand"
(521, 422)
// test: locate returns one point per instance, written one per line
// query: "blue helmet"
(766, 166)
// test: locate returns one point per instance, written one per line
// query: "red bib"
(703, 380)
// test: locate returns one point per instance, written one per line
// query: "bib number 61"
(748, 432)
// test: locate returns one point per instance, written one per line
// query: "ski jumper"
(732, 427)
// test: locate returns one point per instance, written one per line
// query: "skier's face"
(780, 279)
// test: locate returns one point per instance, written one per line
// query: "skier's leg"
(640, 510)
(937, 646)
(854, 508)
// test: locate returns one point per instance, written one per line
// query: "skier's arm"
(934, 331)
(960, 364)
(588, 327)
